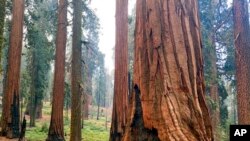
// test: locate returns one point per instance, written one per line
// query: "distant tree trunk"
(76, 76)
(86, 106)
(99, 99)
(215, 109)
(34, 107)
(88, 95)
(213, 83)
(33, 100)
(13, 70)
(168, 101)
(2, 16)
(120, 101)
(242, 55)
(39, 107)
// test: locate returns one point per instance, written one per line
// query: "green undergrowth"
(94, 130)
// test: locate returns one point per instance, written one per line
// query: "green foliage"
(38, 133)
(40, 47)
(5, 50)
(211, 103)
(217, 33)
(217, 26)
(100, 79)
(223, 107)
(94, 130)
(25, 88)
(90, 50)
(5, 43)
(67, 97)
(2, 16)
(46, 108)
(45, 128)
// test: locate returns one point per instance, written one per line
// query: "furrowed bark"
(56, 131)
(242, 55)
(120, 102)
(168, 100)
(13, 71)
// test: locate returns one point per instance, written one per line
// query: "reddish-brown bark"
(242, 55)
(56, 132)
(121, 72)
(13, 71)
(168, 99)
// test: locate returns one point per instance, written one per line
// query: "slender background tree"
(76, 73)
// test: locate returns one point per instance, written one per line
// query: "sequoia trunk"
(13, 71)
(121, 72)
(56, 132)
(168, 98)
(242, 55)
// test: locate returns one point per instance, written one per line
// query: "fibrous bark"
(168, 98)
(242, 55)
(120, 101)
(56, 131)
(13, 70)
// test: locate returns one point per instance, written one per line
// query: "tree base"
(54, 138)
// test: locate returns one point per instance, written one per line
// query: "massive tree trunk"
(168, 99)
(121, 72)
(242, 45)
(13, 70)
(2, 16)
(76, 75)
(56, 132)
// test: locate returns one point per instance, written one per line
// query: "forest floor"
(93, 129)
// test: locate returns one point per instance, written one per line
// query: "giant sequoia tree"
(121, 72)
(76, 73)
(168, 99)
(10, 118)
(242, 55)
(56, 132)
